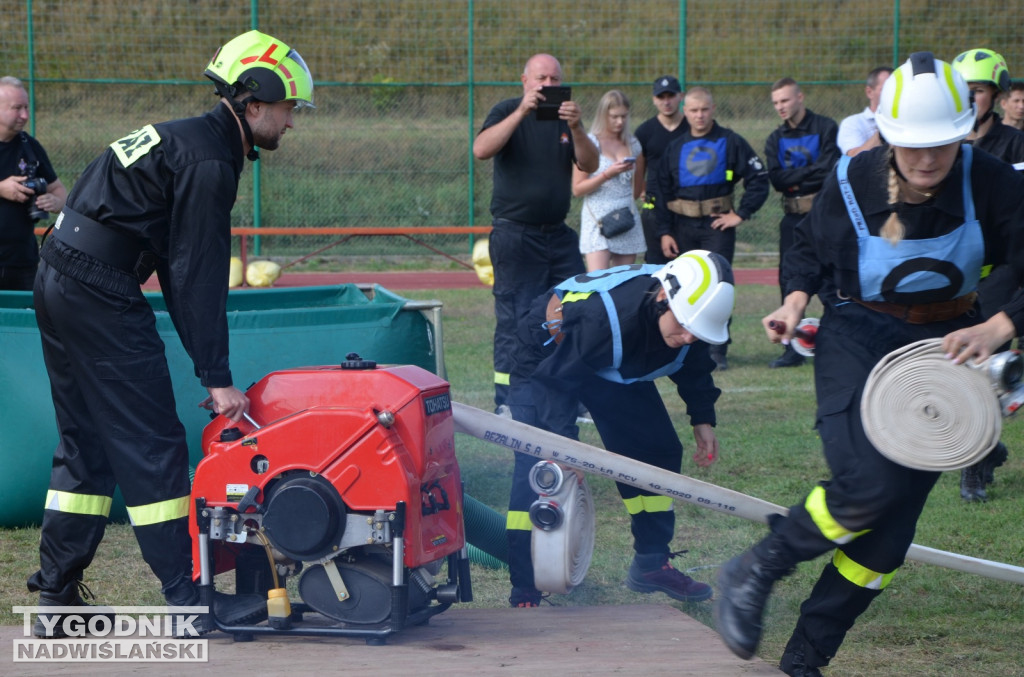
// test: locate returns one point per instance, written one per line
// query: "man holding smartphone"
(531, 247)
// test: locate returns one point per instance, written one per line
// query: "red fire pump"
(345, 476)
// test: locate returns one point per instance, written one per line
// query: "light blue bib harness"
(601, 282)
(917, 271)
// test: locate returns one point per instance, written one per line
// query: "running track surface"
(442, 280)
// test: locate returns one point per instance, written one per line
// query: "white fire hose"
(562, 540)
(523, 438)
(922, 411)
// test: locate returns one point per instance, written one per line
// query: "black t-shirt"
(654, 139)
(1006, 143)
(18, 245)
(533, 172)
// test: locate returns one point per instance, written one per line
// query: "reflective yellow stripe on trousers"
(79, 504)
(859, 574)
(639, 504)
(830, 529)
(518, 520)
(154, 513)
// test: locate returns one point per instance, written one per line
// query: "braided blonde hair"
(893, 230)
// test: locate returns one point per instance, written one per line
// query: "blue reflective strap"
(968, 193)
(852, 208)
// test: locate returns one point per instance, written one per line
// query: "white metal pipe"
(516, 436)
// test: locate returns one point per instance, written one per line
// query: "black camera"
(38, 186)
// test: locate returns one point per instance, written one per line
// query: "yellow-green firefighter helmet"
(983, 65)
(266, 68)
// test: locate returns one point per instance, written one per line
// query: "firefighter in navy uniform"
(800, 155)
(987, 76)
(927, 203)
(159, 198)
(601, 339)
(697, 177)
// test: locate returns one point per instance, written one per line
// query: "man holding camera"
(29, 190)
(534, 146)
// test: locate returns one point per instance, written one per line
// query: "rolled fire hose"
(515, 436)
(562, 539)
(924, 412)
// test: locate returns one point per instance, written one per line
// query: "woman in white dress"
(615, 184)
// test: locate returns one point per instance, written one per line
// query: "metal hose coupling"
(922, 411)
(562, 542)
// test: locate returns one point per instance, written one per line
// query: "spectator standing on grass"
(654, 136)
(800, 154)
(859, 132)
(924, 200)
(1012, 104)
(531, 247)
(615, 185)
(698, 174)
(603, 340)
(21, 159)
(158, 199)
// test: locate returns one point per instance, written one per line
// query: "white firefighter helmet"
(925, 103)
(700, 290)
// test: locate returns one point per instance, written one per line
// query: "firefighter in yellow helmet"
(987, 77)
(157, 199)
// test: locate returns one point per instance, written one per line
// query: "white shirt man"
(859, 132)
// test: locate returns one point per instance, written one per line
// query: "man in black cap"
(654, 136)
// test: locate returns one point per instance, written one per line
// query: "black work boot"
(800, 659)
(653, 573)
(995, 458)
(790, 358)
(229, 609)
(718, 356)
(972, 486)
(51, 626)
(744, 583)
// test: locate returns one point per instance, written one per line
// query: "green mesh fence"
(402, 86)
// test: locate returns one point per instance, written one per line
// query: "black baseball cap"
(666, 83)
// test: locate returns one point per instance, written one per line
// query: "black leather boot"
(790, 358)
(744, 583)
(800, 659)
(229, 609)
(52, 625)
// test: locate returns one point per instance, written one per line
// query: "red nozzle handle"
(780, 327)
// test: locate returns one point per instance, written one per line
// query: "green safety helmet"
(699, 289)
(925, 103)
(983, 65)
(265, 67)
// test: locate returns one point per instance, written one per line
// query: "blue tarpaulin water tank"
(270, 329)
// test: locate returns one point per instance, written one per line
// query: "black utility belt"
(104, 244)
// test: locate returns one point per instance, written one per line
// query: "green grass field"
(930, 621)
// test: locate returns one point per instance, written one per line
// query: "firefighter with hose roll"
(602, 339)
(894, 247)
